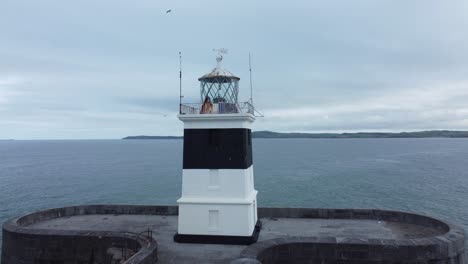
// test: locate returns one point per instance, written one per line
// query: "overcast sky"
(109, 68)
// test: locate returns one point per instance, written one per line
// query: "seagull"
(168, 11)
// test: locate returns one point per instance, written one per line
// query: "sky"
(108, 69)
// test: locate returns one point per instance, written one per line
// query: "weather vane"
(219, 56)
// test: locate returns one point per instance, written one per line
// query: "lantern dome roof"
(218, 75)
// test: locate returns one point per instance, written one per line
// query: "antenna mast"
(180, 82)
(250, 72)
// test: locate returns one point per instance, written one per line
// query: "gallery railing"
(217, 108)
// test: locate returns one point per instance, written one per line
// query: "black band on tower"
(229, 148)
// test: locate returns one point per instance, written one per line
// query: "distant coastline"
(271, 134)
(152, 137)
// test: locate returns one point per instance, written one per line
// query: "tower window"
(213, 220)
(213, 179)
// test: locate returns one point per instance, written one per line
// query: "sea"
(428, 175)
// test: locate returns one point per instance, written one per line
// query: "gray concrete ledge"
(22, 244)
(448, 247)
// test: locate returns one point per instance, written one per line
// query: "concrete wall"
(90, 247)
(447, 248)
(22, 245)
(297, 250)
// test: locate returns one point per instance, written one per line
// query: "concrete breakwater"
(144, 234)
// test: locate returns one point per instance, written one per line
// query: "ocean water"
(428, 176)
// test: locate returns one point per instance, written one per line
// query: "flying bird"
(168, 11)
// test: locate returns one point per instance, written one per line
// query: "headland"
(271, 134)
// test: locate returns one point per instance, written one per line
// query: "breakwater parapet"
(144, 234)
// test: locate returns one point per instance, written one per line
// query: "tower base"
(225, 240)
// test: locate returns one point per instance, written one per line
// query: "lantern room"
(219, 86)
(219, 92)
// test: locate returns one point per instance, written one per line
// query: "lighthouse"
(218, 202)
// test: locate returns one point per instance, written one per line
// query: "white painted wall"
(234, 219)
(203, 121)
(214, 183)
(230, 193)
(217, 201)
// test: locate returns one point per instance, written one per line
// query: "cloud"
(431, 106)
(109, 69)
(8, 85)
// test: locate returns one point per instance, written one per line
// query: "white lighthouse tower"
(219, 201)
